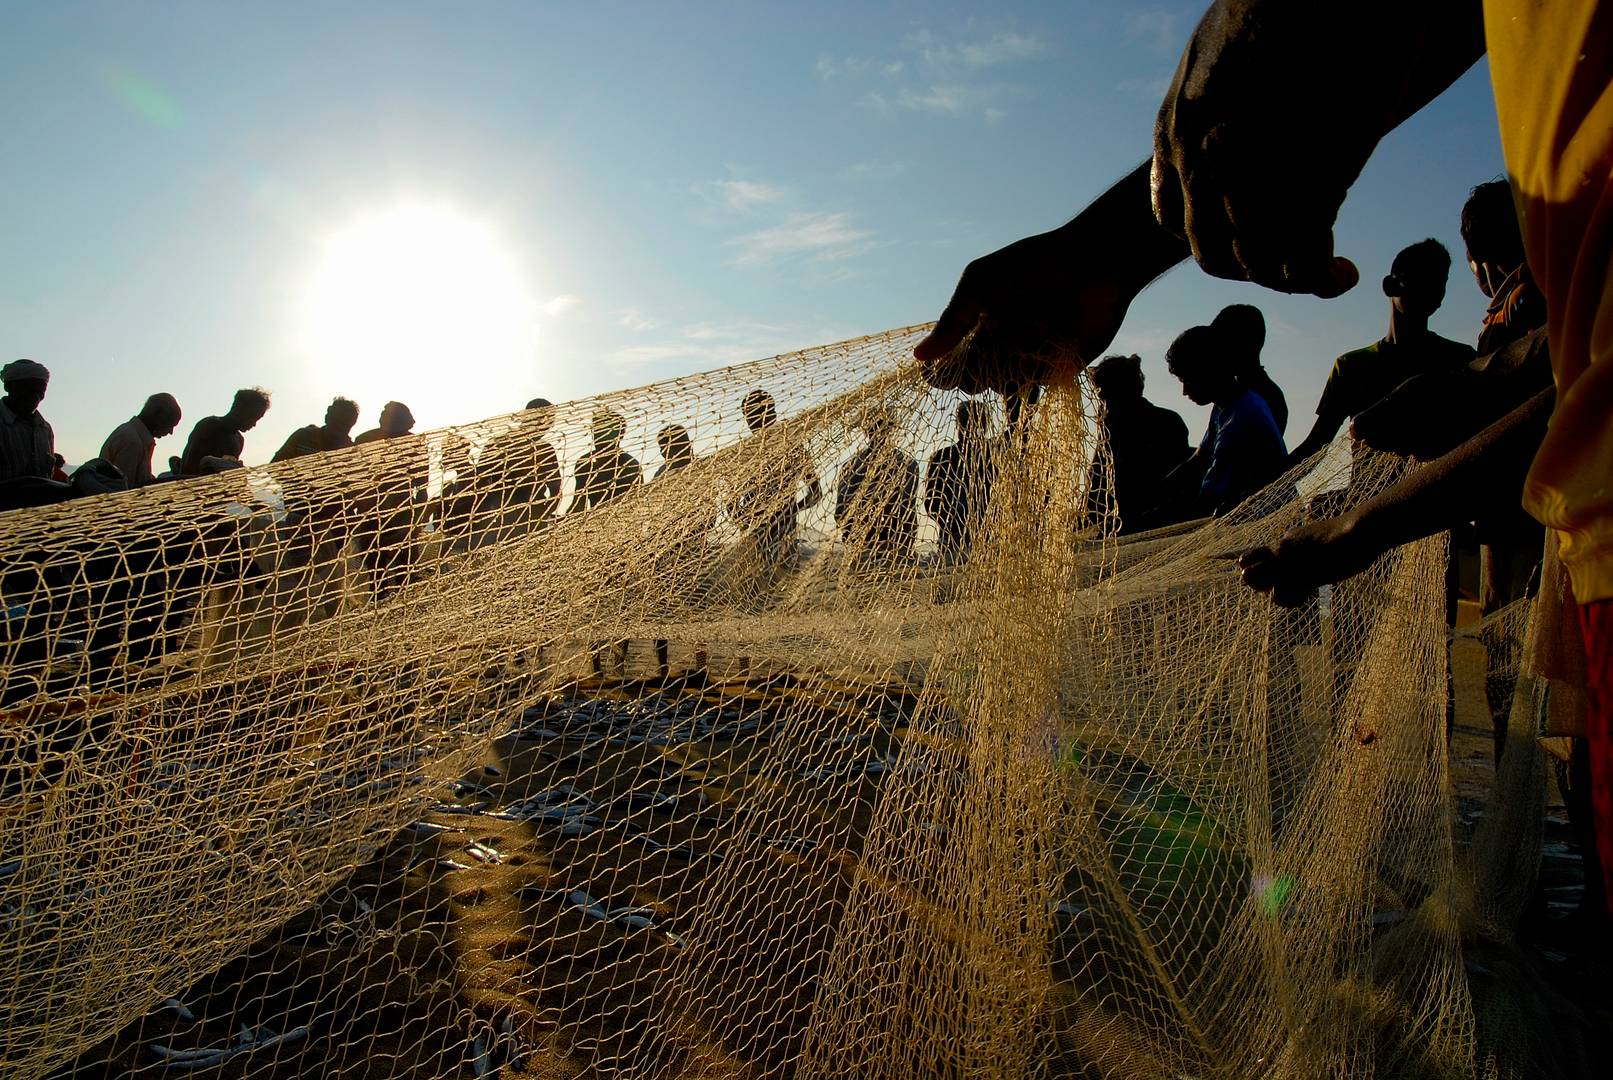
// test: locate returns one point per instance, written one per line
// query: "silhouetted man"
(334, 434)
(217, 441)
(766, 508)
(677, 451)
(608, 472)
(957, 486)
(1495, 255)
(1144, 441)
(132, 442)
(386, 516)
(876, 500)
(1243, 328)
(1415, 286)
(27, 443)
(517, 477)
(1242, 451)
(396, 422)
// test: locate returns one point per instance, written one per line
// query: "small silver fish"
(430, 828)
(484, 854)
(455, 808)
(177, 1007)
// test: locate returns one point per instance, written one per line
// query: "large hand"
(1051, 300)
(1016, 315)
(1273, 112)
(1316, 553)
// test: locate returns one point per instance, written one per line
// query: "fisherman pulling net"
(485, 752)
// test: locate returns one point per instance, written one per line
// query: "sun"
(421, 304)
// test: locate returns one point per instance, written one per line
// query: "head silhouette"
(396, 419)
(974, 419)
(759, 410)
(542, 410)
(1243, 334)
(248, 408)
(341, 414)
(609, 426)
(1491, 234)
(1118, 379)
(1198, 358)
(675, 444)
(161, 414)
(25, 382)
(1416, 279)
(880, 427)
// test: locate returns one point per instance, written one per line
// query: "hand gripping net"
(399, 762)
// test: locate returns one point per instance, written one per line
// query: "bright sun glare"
(421, 304)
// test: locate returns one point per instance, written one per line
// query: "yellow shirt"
(1552, 65)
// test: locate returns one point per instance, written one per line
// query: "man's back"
(957, 489)
(129, 448)
(876, 505)
(1146, 442)
(606, 474)
(213, 436)
(27, 445)
(1260, 381)
(1246, 452)
(1363, 377)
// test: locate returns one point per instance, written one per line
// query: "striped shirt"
(27, 445)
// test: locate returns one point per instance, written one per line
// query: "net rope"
(512, 750)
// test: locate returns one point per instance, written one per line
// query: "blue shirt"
(1245, 450)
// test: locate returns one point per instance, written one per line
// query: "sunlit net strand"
(838, 806)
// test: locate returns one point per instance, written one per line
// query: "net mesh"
(557, 745)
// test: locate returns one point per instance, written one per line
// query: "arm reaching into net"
(1274, 109)
(1482, 474)
(1051, 297)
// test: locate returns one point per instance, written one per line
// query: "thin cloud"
(560, 305)
(634, 319)
(1148, 88)
(704, 346)
(958, 99)
(939, 73)
(743, 195)
(709, 331)
(873, 170)
(817, 236)
(945, 99)
(1004, 46)
(831, 67)
(1159, 31)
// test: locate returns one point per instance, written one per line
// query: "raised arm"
(1056, 297)
(1275, 108)
(1482, 474)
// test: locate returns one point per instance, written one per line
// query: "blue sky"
(666, 187)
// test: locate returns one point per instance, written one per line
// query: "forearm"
(1481, 474)
(1414, 52)
(1119, 228)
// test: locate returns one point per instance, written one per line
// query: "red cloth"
(1596, 620)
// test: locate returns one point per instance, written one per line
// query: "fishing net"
(779, 744)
